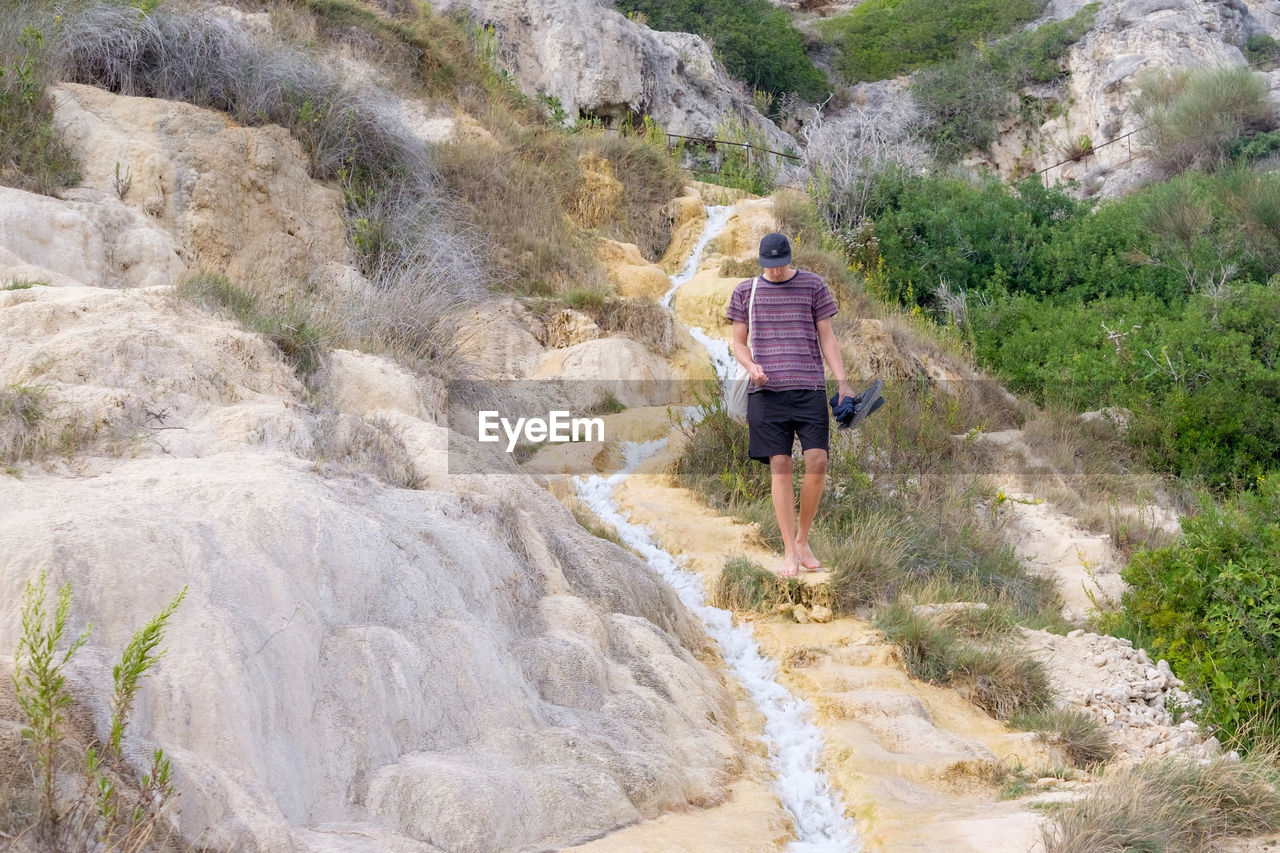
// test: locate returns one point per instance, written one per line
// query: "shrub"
(1210, 604)
(964, 101)
(1192, 117)
(110, 811)
(748, 167)
(754, 39)
(1168, 805)
(998, 680)
(879, 39)
(33, 155)
(1079, 734)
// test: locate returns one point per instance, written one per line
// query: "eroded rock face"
(595, 61)
(1128, 38)
(233, 199)
(462, 668)
(357, 666)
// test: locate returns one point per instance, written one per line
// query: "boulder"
(232, 199)
(615, 366)
(632, 276)
(595, 61)
(469, 669)
(90, 239)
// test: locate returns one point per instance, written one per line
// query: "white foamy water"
(794, 742)
(717, 217)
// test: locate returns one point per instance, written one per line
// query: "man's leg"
(815, 478)
(784, 506)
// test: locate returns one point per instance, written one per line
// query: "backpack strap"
(751, 317)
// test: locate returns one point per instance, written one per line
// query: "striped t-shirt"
(785, 339)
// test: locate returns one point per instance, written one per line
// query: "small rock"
(1078, 632)
(800, 613)
(1213, 747)
(1100, 660)
(819, 613)
(1127, 654)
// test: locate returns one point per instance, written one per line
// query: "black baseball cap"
(775, 251)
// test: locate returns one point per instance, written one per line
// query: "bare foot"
(808, 562)
(789, 568)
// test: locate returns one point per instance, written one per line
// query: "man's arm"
(830, 353)
(742, 352)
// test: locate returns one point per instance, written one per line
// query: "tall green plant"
(101, 817)
(39, 679)
(33, 154)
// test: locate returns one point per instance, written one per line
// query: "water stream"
(794, 742)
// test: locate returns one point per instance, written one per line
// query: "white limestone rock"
(594, 60)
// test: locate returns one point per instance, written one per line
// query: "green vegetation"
(989, 673)
(744, 585)
(111, 811)
(964, 101)
(879, 39)
(1080, 735)
(299, 338)
(33, 155)
(1169, 805)
(1210, 604)
(1154, 302)
(1193, 117)
(754, 39)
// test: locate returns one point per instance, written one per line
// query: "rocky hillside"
(456, 666)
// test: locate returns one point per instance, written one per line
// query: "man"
(790, 339)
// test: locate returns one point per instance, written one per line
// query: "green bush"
(964, 101)
(1192, 117)
(1210, 604)
(754, 39)
(33, 155)
(879, 39)
(1261, 49)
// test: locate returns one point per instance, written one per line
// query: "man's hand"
(843, 390)
(756, 374)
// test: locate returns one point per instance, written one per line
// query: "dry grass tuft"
(869, 555)
(1170, 805)
(1080, 735)
(36, 427)
(997, 679)
(744, 586)
(373, 446)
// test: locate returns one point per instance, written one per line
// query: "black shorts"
(775, 418)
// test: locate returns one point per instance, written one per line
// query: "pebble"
(1100, 660)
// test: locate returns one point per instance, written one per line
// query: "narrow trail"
(847, 731)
